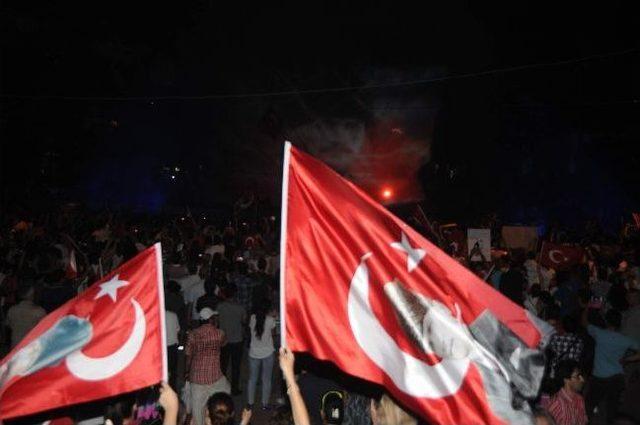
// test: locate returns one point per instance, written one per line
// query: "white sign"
(479, 242)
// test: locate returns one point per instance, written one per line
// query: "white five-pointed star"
(414, 255)
(111, 288)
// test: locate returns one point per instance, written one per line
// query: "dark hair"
(262, 264)
(613, 318)
(536, 289)
(173, 287)
(282, 416)
(24, 290)
(217, 415)
(261, 310)
(230, 290)
(120, 409)
(565, 369)
(569, 324)
(242, 267)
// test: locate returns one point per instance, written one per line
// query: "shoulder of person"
(594, 330)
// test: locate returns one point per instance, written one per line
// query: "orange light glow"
(387, 193)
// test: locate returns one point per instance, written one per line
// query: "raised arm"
(298, 408)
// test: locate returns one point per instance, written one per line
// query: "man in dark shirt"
(175, 302)
(512, 284)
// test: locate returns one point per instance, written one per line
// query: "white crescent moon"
(552, 256)
(409, 374)
(97, 369)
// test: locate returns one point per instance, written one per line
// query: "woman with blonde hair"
(387, 412)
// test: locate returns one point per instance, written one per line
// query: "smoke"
(385, 149)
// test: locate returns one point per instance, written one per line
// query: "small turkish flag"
(560, 257)
(108, 340)
(364, 290)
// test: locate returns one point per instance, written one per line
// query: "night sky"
(102, 101)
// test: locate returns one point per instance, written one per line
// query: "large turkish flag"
(108, 340)
(362, 289)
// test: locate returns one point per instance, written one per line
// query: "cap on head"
(206, 313)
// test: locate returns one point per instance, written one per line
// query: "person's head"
(242, 267)
(535, 290)
(584, 296)
(542, 417)
(26, 293)
(570, 376)
(220, 409)
(569, 324)
(332, 407)
(262, 264)
(553, 318)
(120, 410)
(208, 316)
(173, 287)
(216, 260)
(504, 263)
(387, 412)
(613, 319)
(230, 291)
(282, 416)
(176, 258)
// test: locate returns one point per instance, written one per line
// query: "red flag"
(362, 289)
(108, 340)
(560, 257)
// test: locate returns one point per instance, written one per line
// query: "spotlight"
(387, 193)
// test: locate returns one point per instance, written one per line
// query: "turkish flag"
(560, 257)
(362, 289)
(108, 340)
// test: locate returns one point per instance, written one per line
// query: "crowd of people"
(221, 297)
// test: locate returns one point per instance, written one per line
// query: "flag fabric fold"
(108, 340)
(362, 289)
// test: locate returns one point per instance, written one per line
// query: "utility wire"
(332, 89)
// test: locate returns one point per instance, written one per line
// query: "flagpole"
(283, 240)
(163, 330)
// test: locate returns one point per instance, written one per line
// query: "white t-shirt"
(187, 282)
(191, 296)
(172, 327)
(261, 347)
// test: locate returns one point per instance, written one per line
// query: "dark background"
(534, 111)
